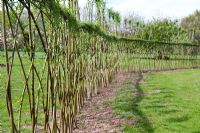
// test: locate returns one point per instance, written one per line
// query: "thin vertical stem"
(8, 87)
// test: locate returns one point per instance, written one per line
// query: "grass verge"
(165, 102)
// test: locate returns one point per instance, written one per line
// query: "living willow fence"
(75, 60)
(143, 55)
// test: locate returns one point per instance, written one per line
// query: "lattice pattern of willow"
(156, 56)
(73, 61)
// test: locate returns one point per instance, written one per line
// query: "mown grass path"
(163, 102)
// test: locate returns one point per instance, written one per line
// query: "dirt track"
(97, 115)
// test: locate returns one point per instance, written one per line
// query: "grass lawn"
(178, 99)
(165, 102)
(17, 86)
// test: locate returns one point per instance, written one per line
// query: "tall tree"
(192, 24)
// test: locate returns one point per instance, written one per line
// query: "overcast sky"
(153, 8)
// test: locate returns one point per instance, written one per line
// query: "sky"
(174, 9)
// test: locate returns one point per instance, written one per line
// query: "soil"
(97, 115)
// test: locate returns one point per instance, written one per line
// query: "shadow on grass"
(127, 105)
(133, 102)
(143, 122)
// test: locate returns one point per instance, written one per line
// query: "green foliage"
(192, 21)
(77, 25)
(6, 19)
(133, 24)
(163, 30)
(114, 15)
(192, 24)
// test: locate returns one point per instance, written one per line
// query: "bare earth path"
(97, 115)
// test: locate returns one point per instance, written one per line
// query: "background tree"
(114, 20)
(192, 24)
(162, 30)
(132, 24)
